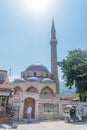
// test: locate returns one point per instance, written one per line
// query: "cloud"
(13, 77)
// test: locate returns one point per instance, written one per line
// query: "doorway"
(30, 101)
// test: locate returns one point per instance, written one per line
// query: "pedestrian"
(29, 111)
(1, 108)
(72, 112)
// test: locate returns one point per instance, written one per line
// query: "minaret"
(54, 69)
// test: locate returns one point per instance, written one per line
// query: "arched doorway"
(30, 101)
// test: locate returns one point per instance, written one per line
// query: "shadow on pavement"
(25, 122)
(22, 122)
(2, 127)
(77, 123)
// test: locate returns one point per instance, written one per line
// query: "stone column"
(36, 109)
(21, 107)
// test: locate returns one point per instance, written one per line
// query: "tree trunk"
(82, 97)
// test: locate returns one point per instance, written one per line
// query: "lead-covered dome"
(37, 67)
(33, 79)
(47, 80)
(19, 80)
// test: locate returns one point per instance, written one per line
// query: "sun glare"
(32, 7)
(37, 6)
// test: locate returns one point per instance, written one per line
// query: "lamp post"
(48, 111)
(8, 106)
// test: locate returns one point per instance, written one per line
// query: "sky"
(25, 31)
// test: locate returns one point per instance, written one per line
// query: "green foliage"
(74, 68)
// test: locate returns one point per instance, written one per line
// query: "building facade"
(4, 95)
(38, 87)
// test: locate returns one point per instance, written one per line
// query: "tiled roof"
(68, 97)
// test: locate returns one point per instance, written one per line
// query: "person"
(29, 111)
(72, 112)
(1, 108)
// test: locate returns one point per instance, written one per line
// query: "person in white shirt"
(29, 111)
(1, 108)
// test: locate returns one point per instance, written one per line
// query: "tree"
(74, 69)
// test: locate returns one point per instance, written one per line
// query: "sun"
(32, 7)
(37, 6)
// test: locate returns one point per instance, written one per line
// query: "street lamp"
(11, 93)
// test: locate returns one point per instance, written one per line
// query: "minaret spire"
(53, 31)
(53, 25)
(54, 69)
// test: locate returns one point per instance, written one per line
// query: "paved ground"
(48, 125)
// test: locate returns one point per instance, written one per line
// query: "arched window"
(34, 73)
(24, 75)
(32, 89)
(46, 75)
(17, 90)
(46, 93)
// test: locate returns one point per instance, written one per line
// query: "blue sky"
(25, 34)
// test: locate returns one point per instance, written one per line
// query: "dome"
(37, 67)
(33, 79)
(47, 80)
(19, 80)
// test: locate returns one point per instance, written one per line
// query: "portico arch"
(32, 89)
(17, 90)
(46, 93)
(30, 101)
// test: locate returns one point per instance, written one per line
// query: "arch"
(32, 89)
(46, 93)
(30, 101)
(17, 90)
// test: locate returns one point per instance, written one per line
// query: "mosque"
(39, 87)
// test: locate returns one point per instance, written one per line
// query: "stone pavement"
(48, 125)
